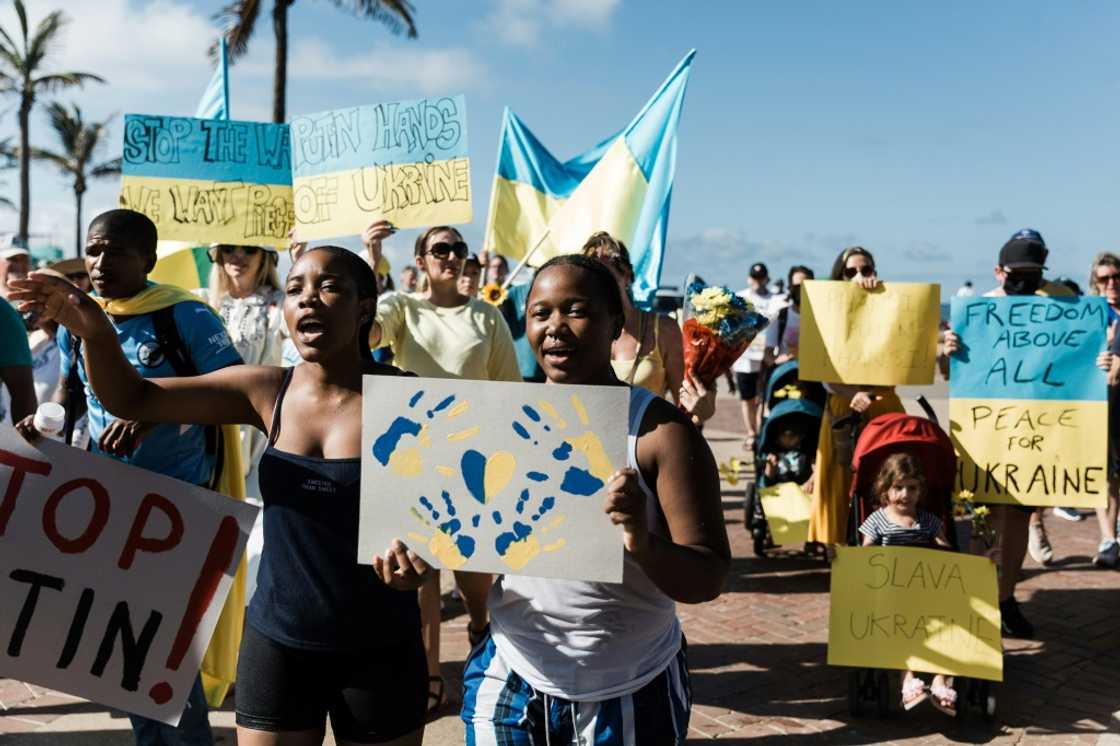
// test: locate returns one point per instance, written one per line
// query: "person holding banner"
(832, 475)
(650, 350)
(443, 332)
(156, 329)
(324, 634)
(604, 662)
(1019, 271)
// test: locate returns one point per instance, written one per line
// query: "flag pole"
(525, 261)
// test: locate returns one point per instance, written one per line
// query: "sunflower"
(494, 294)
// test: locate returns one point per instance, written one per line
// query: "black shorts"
(371, 696)
(747, 383)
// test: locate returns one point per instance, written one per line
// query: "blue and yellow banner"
(209, 180)
(405, 161)
(1028, 406)
(543, 207)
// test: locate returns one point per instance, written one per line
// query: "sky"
(928, 133)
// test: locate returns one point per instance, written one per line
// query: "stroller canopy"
(782, 381)
(897, 432)
(788, 410)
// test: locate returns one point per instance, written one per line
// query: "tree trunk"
(78, 222)
(280, 73)
(24, 167)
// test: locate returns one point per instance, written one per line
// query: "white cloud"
(426, 70)
(523, 22)
(139, 46)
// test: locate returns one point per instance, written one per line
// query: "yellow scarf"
(219, 666)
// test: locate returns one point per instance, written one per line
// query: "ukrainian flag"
(622, 185)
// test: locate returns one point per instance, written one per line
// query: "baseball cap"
(11, 246)
(1029, 234)
(758, 271)
(1023, 253)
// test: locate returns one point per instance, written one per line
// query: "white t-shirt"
(751, 359)
(791, 335)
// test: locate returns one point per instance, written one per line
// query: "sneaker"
(1070, 514)
(1012, 621)
(1108, 554)
(1039, 545)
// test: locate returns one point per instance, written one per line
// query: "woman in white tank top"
(567, 661)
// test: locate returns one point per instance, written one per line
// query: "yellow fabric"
(646, 371)
(219, 665)
(828, 519)
(468, 341)
(519, 216)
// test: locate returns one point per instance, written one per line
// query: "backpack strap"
(75, 392)
(783, 320)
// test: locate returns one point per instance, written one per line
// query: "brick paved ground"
(757, 656)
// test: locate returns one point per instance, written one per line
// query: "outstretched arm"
(239, 394)
(690, 566)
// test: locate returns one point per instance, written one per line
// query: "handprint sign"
(493, 477)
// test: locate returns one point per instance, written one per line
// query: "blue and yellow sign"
(1028, 407)
(209, 180)
(404, 161)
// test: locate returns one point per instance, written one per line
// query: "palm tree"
(240, 17)
(80, 141)
(21, 73)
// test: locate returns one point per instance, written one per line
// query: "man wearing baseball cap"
(1019, 528)
(747, 367)
(15, 262)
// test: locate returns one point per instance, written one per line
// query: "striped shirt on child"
(886, 533)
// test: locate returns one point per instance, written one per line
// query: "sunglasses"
(225, 251)
(444, 250)
(866, 271)
(1108, 279)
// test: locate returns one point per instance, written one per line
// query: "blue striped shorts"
(502, 709)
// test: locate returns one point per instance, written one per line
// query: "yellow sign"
(1031, 452)
(915, 609)
(881, 337)
(787, 512)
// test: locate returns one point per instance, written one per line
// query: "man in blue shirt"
(162, 335)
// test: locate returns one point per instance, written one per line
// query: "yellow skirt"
(828, 518)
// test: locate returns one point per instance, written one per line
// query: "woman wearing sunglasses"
(832, 477)
(443, 333)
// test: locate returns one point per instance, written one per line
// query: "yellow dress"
(828, 517)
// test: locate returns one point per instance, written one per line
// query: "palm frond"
(21, 12)
(5, 202)
(238, 19)
(396, 15)
(10, 53)
(61, 160)
(108, 168)
(58, 81)
(46, 37)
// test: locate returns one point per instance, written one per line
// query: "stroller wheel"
(884, 692)
(854, 703)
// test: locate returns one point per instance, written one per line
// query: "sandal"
(435, 694)
(945, 698)
(914, 692)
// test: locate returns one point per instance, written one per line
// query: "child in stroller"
(903, 520)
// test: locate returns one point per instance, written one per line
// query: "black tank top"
(311, 591)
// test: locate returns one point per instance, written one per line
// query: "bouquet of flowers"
(718, 327)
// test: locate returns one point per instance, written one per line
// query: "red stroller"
(925, 440)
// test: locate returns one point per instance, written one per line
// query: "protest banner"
(113, 577)
(209, 180)
(1028, 407)
(881, 337)
(915, 609)
(493, 477)
(405, 162)
(787, 513)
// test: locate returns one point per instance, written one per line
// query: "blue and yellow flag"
(214, 103)
(622, 185)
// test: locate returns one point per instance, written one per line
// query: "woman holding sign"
(604, 661)
(832, 477)
(324, 635)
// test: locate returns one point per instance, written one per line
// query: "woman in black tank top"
(324, 635)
